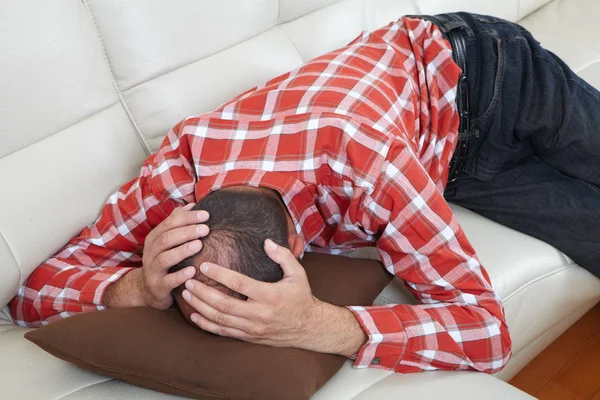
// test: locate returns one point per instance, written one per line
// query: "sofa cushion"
(49, 50)
(161, 351)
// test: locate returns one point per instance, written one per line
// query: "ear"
(296, 243)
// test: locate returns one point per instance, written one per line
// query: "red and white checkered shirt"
(358, 143)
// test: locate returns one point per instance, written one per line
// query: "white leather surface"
(50, 77)
(203, 85)
(512, 259)
(56, 198)
(9, 272)
(338, 24)
(529, 352)
(89, 86)
(65, 140)
(536, 308)
(566, 28)
(163, 36)
(114, 389)
(28, 373)
(5, 320)
(434, 386)
(292, 9)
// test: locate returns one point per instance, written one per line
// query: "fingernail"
(200, 230)
(186, 295)
(204, 267)
(270, 244)
(194, 318)
(194, 245)
(189, 285)
(189, 272)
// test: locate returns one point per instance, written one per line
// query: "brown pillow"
(161, 351)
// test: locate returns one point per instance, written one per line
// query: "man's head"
(241, 219)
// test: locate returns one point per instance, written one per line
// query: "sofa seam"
(14, 256)
(373, 384)
(136, 127)
(415, 3)
(64, 128)
(542, 334)
(85, 387)
(532, 11)
(187, 64)
(292, 42)
(277, 24)
(8, 330)
(314, 11)
(278, 11)
(533, 281)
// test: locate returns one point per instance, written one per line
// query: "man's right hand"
(171, 242)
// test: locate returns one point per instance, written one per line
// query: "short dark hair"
(240, 220)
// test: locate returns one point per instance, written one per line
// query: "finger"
(220, 301)
(181, 217)
(171, 281)
(169, 239)
(235, 281)
(200, 215)
(211, 327)
(217, 316)
(177, 219)
(284, 257)
(169, 258)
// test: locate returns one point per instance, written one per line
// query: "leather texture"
(89, 88)
(419, 386)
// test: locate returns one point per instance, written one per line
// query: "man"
(360, 145)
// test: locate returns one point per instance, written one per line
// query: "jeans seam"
(499, 80)
(587, 90)
(591, 185)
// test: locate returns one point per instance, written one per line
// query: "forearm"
(413, 338)
(335, 330)
(126, 292)
(81, 287)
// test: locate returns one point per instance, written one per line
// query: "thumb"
(284, 258)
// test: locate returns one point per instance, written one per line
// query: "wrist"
(334, 330)
(355, 336)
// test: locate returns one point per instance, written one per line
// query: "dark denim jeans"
(535, 165)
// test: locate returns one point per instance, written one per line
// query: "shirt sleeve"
(460, 324)
(76, 278)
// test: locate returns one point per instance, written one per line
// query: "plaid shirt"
(358, 143)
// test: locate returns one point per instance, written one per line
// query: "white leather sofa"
(88, 88)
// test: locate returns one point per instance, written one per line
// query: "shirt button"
(375, 361)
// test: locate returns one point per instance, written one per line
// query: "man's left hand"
(275, 314)
(282, 314)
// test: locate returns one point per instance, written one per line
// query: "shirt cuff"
(92, 293)
(386, 337)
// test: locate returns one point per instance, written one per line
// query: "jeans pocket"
(491, 77)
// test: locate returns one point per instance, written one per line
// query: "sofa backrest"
(88, 88)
